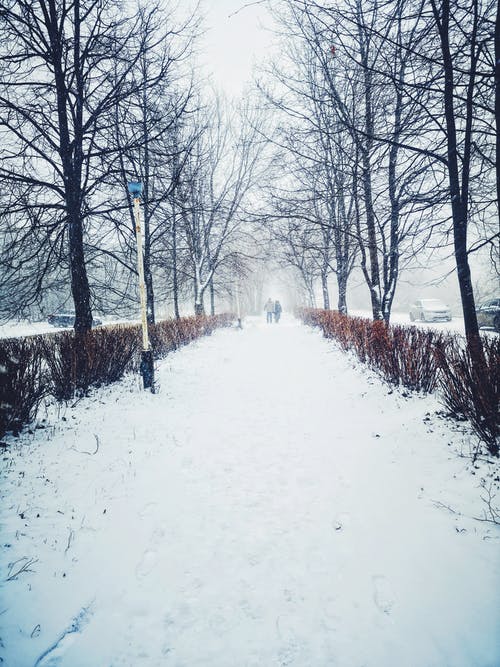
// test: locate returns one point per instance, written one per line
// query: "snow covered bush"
(402, 355)
(422, 360)
(405, 356)
(65, 364)
(98, 357)
(22, 382)
(169, 335)
(465, 395)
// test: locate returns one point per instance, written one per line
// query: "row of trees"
(389, 116)
(90, 99)
(390, 119)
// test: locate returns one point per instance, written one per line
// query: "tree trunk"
(497, 101)
(212, 297)
(199, 307)
(324, 287)
(375, 299)
(79, 281)
(342, 287)
(175, 277)
(81, 296)
(459, 196)
(71, 153)
(374, 271)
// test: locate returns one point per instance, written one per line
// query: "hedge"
(62, 365)
(423, 360)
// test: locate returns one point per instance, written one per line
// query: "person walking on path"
(277, 311)
(269, 308)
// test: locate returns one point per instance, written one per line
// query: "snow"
(273, 504)
(16, 329)
(455, 326)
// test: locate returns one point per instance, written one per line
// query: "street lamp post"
(147, 363)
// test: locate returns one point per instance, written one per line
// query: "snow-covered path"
(274, 504)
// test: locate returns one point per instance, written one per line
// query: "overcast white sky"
(234, 40)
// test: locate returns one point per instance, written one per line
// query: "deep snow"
(273, 504)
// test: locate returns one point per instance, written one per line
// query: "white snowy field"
(397, 317)
(14, 329)
(274, 504)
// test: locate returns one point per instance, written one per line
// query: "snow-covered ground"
(456, 325)
(274, 504)
(15, 329)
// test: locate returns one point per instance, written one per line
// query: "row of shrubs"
(424, 360)
(63, 365)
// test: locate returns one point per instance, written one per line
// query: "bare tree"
(217, 180)
(377, 190)
(461, 62)
(50, 116)
(450, 54)
(66, 67)
(147, 135)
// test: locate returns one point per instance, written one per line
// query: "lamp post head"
(135, 189)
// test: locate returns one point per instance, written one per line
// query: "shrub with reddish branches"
(66, 364)
(22, 382)
(465, 395)
(422, 360)
(77, 362)
(402, 355)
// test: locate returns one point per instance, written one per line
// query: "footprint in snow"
(382, 594)
(342, 521)
(254, 559)
(147, 564)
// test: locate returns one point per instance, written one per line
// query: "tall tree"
(358, 122)
(217, 181)
(65, 65)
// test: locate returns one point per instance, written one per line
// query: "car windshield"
(433, 303)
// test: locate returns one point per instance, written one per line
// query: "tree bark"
(459, 196)
(366, 148)
(497, 102)
(80, 288)
(175, 277)
(71, 152)
(324, 287)
(212, 297)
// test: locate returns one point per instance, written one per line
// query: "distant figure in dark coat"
(269, 308)
(277, 311)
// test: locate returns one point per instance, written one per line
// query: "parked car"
(67, 319)
(430, 310)
(488, 314)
